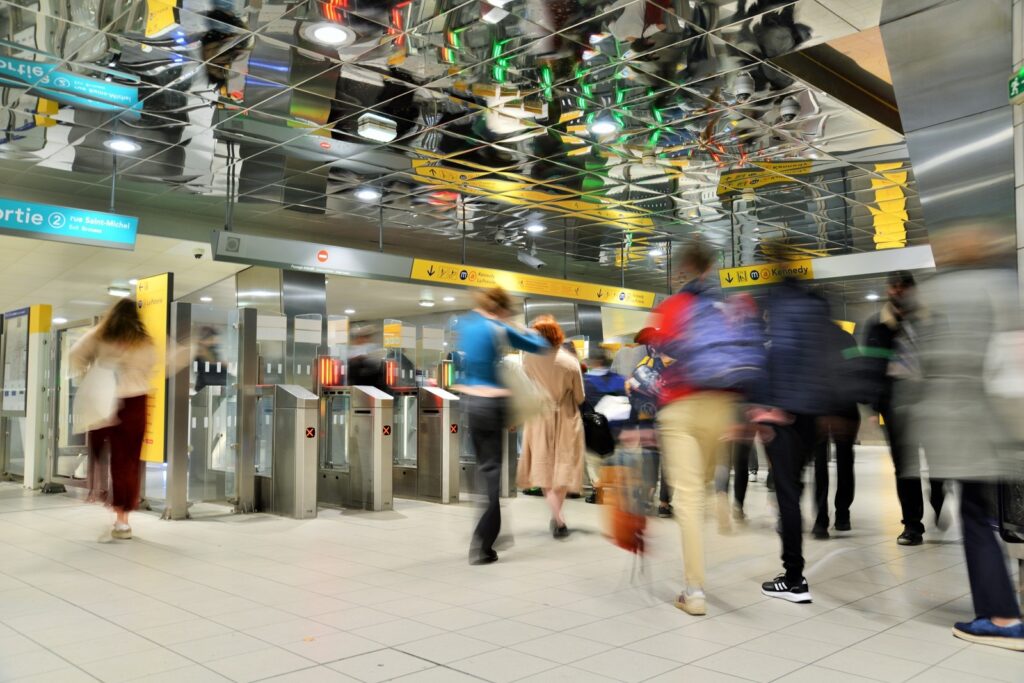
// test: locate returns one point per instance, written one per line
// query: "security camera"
(530, 260)
(743, 87)
(789, 109)
(198, 253)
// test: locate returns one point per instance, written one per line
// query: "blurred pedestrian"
(787, 406)
(958, 419)
(366, 360)
(734, 458)
(598, 382)
(644, 389)
(553, 445)
(891, 338)
(696, 408)
(121, 344)
(481, 334)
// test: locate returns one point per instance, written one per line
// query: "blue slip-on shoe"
(984, 632)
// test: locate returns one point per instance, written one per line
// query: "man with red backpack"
(717, 352)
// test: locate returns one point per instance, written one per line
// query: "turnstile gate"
(469, 482)
(355, 469)
(286, 453)
(426, 444)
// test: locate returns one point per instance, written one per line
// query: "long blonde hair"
(122, 325)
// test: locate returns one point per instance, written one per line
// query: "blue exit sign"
(66, 224)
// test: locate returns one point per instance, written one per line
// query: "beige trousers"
(691, 432)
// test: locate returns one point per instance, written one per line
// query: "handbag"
(526, 399)
(95, 403)
(597, 433)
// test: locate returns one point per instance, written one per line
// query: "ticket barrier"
(426, 444)
(286, 451)
(469, 482)
(355, 469)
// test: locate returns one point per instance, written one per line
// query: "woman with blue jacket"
(482, 335)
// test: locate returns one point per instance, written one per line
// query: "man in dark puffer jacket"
(796, 391)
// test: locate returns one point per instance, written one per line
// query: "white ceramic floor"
(375, 597)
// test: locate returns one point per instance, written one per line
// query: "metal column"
(180, 334)
(248, 377)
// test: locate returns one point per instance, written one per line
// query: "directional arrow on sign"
(728, 278)
(600, 293)
(430, 271)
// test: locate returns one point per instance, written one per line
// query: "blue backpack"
(722, 346)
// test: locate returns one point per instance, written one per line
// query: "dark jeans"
(741, 453)
(486, 422)
(906, 460)
(652, 471)
(791, 447)
(843, 438)
(991, 587)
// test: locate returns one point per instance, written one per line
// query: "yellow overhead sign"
(160, 16)
(767, 173)
(520, 283)
(766, 274)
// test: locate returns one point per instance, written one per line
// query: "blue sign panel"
(63, 86)
(64, 224)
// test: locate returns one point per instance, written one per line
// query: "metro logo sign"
(766, 274)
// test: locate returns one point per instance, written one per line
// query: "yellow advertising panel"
(767, 173)
(154, 301)
(766, 274)
(521, 283)
(392, 335)
(160, 16)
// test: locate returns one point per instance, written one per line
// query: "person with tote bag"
(486, 399)
(116, 360)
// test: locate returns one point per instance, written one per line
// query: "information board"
(15, 382)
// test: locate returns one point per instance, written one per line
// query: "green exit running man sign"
(1017, 87)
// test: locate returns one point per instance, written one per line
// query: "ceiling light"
(326, 33)
(378, 128)
(206, 299)
(133, 281)
(448, 299)
(872, 297)
(605, 126)
(368, 194)
(656, 252)
(118, 291)
(122, 145)
(427, 303)
(59, 321)
(350, 311)
(534, 228)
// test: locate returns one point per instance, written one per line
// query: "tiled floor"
(375, 597)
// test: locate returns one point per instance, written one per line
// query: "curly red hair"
(549, 329)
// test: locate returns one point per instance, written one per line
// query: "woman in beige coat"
(552, 456)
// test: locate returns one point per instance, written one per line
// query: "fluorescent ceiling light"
(59, 321)
(326, 33)
(350, 311)
(122, 145)
(118, 291)
(448, 299)
(604, 127)
(378, 128)
(368, 194)
(426, 303)
(206, 299)
(657, 251)
(535, 228)
(134, 281)
(872, 297)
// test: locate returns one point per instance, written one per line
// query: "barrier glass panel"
(405, 418)
(335, 455)
(71, 453)
(265, 436)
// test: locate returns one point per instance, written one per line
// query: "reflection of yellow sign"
(470, 276)
(522, 190)
(582, 347)
(154, 297)
(767, 173)
(847, 325)
(766, 274)
(392, 335)
(160, 16)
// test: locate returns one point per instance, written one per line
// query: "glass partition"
(405, 419)
(307, 341)
(70, 461)
(335, 455)
(265, 436)
(272, 340)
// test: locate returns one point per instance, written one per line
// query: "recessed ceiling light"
(59, 321)
(427, 303)
(133, 281)
(122, 145)
(206, 299)
(118, 291)
(350, 311)
(448, 299)
(872, 297)
(605, 126)
(326, 33)
(535, 228)
(376, 127)
(368, 194)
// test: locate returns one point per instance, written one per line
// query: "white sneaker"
(692, 601)
(121, 531)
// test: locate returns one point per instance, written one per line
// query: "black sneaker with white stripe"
(780, 588)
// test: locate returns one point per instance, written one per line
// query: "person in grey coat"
(956, 419)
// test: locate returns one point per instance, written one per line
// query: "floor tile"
(914, 649)
(135, 665)
(875, 666)
(617, 632)
(393, 633)
(438, 674)
(195, 673)
(317, 674)
(819, 674)
(994, 663)
(506, 632)
(626, 665)
(381, 665)
(695, 674)
(332, 646)
(676, 646)
(446, 647)
(31, 663)
(754, 666)
(566, 674)
(254, 666)
(502, 666)
(455, 618)
(561, 648)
